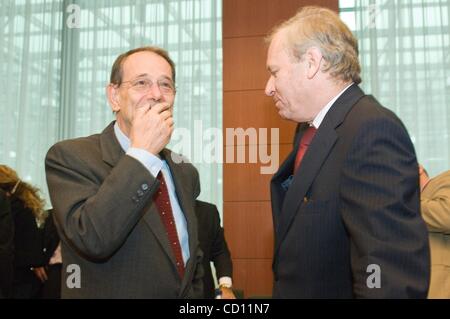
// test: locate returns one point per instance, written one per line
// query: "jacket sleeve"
(51, 238)
(220, 253)
(435, 204)
(96, 214)
(381, 212)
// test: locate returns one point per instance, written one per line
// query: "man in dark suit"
(123, 203)
(346, 200)
(50, 264)
(215, 249)
(6, 246)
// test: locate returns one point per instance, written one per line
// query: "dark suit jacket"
(353, 202)
(6, 246)
(213, 245)
(26, 250)
(50, 239)
(109, 224)
(27, 237)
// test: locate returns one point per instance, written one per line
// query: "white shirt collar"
(124, 141)
(319, 117)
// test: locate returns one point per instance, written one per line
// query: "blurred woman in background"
(27, 210)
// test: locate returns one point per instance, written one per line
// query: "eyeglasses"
(143, 85)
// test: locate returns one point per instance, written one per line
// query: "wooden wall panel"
(255, 275)
(254, 109)
(244, 182)
(249, 229)
(243, 18)
(244, 67)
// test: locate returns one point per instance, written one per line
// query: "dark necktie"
(162, 202)
(304, 143)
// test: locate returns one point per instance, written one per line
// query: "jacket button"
(144, 187)
(140, 193)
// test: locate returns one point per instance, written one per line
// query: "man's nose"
(155, 92)
(270, 88)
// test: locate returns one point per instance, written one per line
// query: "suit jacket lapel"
(278, 192)
(316, 155)
(111, 150)
(312, 161)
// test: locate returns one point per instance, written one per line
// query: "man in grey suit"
(346, 200)
(123, 203)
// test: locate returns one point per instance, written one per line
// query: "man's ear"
(112, 92)
(314, 59)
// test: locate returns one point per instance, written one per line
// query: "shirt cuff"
(225, 281)
(150, 161)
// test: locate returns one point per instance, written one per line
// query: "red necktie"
(304, 143)
(162, 201)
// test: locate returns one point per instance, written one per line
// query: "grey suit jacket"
(352, 205)
(110, 227)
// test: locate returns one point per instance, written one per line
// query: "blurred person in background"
(27, 210)
(215, 249)
(6, 246)
(435, 207)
